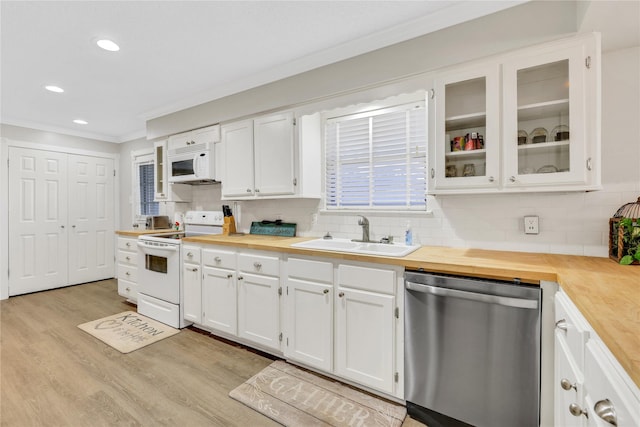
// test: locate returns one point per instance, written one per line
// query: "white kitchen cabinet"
(591, 388)
(219, 294)
(205, 137)
(272, 157)
(259, 298)
(309, 313)
(165, 191)
(128, 268)
(237, 152)
(467, 104)
(192, 283)
(551, 94)
(543, 134)
(366, 318)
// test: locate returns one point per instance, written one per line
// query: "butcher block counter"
(607, 294)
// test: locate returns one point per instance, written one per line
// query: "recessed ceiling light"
(55, 89)
(80, 122)
(109, 45)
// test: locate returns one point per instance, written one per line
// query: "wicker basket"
(617, 246)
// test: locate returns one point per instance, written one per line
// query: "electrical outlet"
(531, 225)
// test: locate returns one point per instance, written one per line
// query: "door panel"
(91, 219)
(37, 220)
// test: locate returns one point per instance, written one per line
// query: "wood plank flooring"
(54, 374)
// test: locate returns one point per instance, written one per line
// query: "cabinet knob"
(257, 265)
(561, 324)
(512, 178)
(341, 294)
(240, 278)
(127, 273)
(576, 410)
(566, 385)
(491, 179)
(326, 291)
(128, 258)
(190, 255)
(248, 190)
(257, 190)
(128, 289)
(62, 226)
(217, 259)
(605, 410)
(127, 244)
(194, 269)
(229, 276)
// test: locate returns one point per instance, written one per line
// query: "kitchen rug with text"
(295, 397)
(128, 331)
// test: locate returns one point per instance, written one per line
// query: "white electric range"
(160, 290)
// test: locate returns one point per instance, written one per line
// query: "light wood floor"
(54, 374)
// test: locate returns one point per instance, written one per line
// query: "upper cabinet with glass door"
(551, 116)
(466, 137)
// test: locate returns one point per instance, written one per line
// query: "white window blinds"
(377, 159)
(146, 189)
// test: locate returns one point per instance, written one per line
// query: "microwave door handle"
(196, 162)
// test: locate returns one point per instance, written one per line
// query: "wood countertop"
(607, 294)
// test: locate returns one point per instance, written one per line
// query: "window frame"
(370, 109)
(138, 159)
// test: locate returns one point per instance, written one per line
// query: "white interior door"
(91, 222)
(37, 220)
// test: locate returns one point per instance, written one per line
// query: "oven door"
(159, 270)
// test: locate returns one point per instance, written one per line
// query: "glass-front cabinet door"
(466, 135)
(546, 137)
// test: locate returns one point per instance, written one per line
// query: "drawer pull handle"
(561, 324)
(566, 385)
(341, 294)
(576, 410)
(326, 291)
(257, 265)
(605, 410)
(217, 259)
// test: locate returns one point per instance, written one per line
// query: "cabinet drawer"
(571, 325)
(128, 258)
(367, 278)
(191, 254)
(317, 271)
(128, 273)
(127, 244)
(219, 258)
(604, 382)
(128, 289)
(260, 264)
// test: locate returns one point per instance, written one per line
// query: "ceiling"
(177, 54)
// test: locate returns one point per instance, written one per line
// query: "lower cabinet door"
(365, 338)
(192, 293)
(259, 309)
(567, 376)
(219, 300)
(309, 320)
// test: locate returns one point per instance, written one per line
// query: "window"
(143, 185)
(146, 189)
(377, 159)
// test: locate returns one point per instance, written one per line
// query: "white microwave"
(191, 167)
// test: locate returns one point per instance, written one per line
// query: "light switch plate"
(531, 224)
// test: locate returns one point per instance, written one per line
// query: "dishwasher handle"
(473, 296)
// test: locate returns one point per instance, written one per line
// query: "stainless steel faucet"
(364, 222)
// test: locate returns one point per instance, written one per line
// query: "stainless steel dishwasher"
(472, 351)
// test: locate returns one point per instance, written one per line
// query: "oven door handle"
(473, 296)
(168, 248)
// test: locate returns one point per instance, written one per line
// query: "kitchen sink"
(346, 245)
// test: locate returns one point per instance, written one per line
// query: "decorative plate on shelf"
(538, 135)
(523, 137)
(560, 133)
(547, 169)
